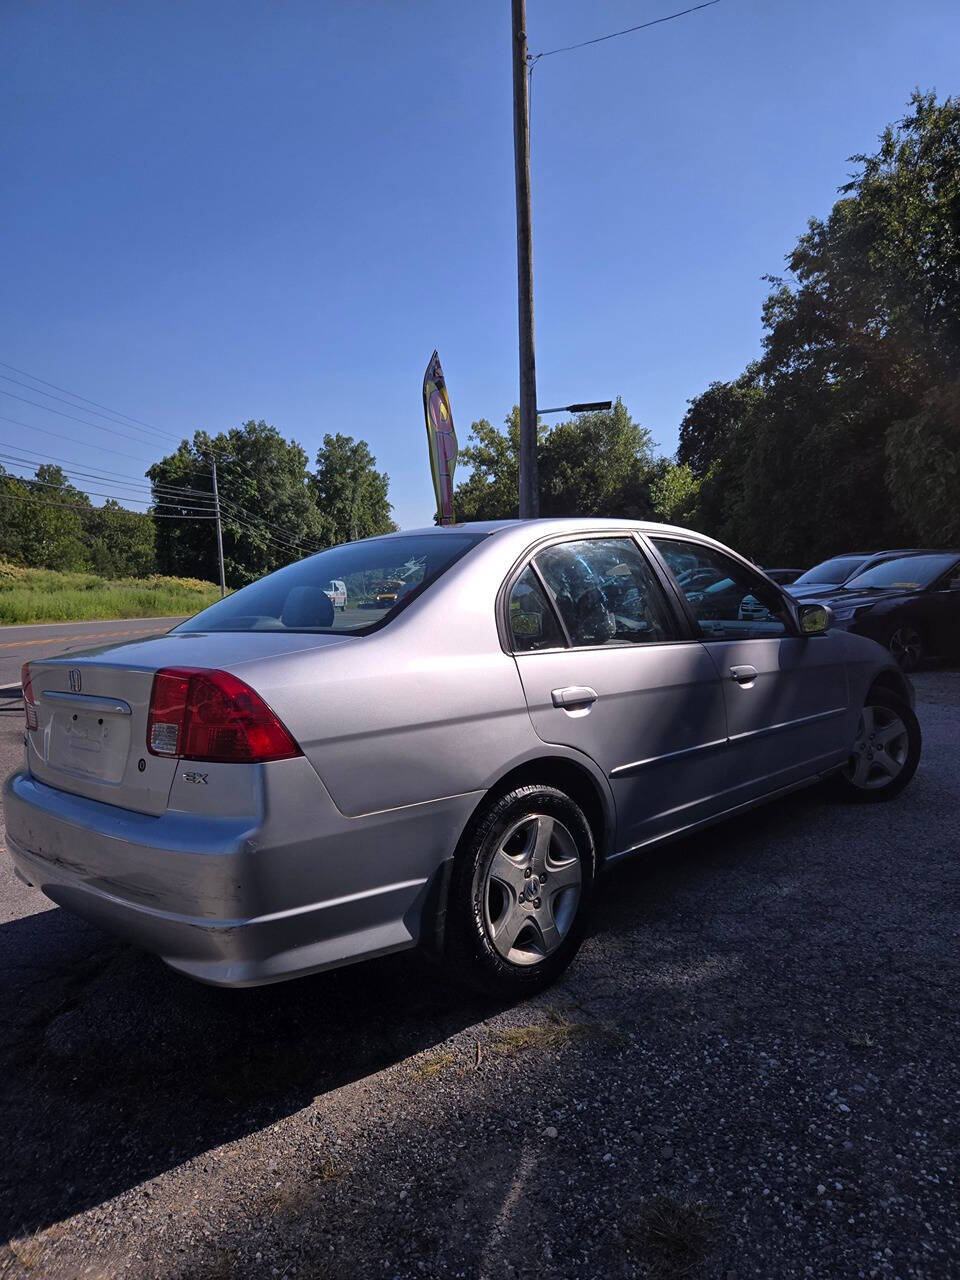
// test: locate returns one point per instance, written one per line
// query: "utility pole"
(216, 505)
(529, 480)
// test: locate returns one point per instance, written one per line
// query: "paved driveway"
(750, 1071)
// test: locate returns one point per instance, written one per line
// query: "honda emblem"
(74, 679)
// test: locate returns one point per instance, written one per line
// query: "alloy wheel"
(906, 645)
(531, 889)
(880, 750)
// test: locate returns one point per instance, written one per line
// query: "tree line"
(275, 509)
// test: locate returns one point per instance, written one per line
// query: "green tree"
(52, 529)
(14, 506)
(598, 464)
(490, 490)
(351, 495)
(714, 419)
(120, 543)
(269, 515)
(673, 493)
(923, 467)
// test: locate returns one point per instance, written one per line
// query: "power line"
(83, 422)
(36, 390)
(102, 448)
(267, 535)
(256, 521)
(117, 479)
(291, 542)
(625, 32)
(76, 506)
(116, 412)
(96, 493)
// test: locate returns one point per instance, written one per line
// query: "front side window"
(730, 602)
(606, 592)
(378, 576)
(533, 624)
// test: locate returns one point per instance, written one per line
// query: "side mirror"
(815, 619)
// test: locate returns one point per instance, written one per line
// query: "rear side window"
(606, 592)
(729, 600)
(533, 624)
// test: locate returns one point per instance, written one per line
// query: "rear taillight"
(198, 714)
(29, 706)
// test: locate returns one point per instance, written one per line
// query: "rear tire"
(520, 892)
(886, 750)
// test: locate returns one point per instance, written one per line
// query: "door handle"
(574, 695)
(743, 675)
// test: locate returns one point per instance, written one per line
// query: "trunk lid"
(92, 708)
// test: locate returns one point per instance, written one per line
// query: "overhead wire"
(135, 423)
(231, 510)
(116, 480)
(76, 396)
(77, 506)
(582, 44)
(36, 390)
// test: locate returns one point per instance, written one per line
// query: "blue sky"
(218, 211)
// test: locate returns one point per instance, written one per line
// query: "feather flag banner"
(441, 437)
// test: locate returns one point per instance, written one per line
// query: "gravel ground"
(751, 1070)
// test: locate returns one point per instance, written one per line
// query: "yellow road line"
(90, 635)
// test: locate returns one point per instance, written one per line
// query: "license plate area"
(88, 743)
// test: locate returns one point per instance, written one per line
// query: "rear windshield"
(908, 573)
(836, 570)
(380, 575)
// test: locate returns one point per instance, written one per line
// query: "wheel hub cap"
(880, 750)
(531, 889)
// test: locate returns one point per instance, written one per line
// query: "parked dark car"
(910, 603)
(783, 576)
(839, 570)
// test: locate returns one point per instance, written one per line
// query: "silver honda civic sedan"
(499, 712)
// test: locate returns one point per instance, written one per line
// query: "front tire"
(520, 891)
(886, 750)
(906, 646)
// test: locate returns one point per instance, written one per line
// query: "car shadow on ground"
(116, 1069)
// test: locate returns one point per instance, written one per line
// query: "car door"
(785, 694)
(609, 667)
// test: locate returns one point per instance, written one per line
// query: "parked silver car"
(275, 787)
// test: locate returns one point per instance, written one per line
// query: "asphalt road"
(19, 644)
(751, 1070)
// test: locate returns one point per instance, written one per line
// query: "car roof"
(546, 525)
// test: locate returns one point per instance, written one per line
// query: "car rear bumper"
(235, 902)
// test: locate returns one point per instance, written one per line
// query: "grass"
(45, 595)
(433, 1064)
(673, 1238)
(556, 1033)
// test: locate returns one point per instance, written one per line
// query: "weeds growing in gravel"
(672, 1238)
(434, 1063)
(861, 1040)
(555, 1033)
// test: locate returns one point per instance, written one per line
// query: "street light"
(591, 406)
